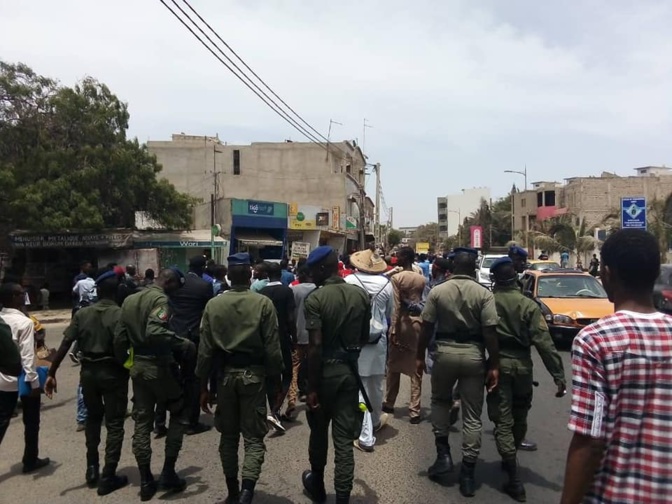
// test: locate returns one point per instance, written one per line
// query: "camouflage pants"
(509, 404)
(154, 385)
(105, 391)
(241, 410)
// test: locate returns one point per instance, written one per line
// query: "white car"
(483, 271)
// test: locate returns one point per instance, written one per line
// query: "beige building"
(454, 208)
(327, 181)
(589, 198)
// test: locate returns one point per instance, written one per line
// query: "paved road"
(394, 473)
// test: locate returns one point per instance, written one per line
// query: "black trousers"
(277, 397)
(31, 422)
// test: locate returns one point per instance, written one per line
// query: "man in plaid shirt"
(621, 414)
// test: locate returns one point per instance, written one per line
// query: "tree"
(427, 233)
(394, 237)
(494, 218)
(65, 161)
(562, 233)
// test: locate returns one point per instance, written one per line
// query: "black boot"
(467, 481)
(514, 487)
(110, 481)
(247, 493)
(342, 498)
(169, 481)
(444, 462)
(313, 482)
(233, 487)
(92, 475)
(147, 483)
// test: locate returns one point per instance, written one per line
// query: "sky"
(456, 91)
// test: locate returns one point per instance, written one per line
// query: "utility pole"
(376, 231)
(213, 201)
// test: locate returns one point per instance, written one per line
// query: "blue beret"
(519, 251)
(105, 276)
(465, 250)
(319, 254)
(451, 256)
(500, 262)
(179, 273)
(239, 259)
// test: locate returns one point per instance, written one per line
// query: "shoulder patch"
(161, 313)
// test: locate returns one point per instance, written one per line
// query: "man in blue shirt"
(287, 277)
(425, 266)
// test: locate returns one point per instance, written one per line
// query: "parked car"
(569, 300)
(483, 271)
(662, 291)
(540, 265)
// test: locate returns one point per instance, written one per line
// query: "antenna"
(331, 122)
(366, 125)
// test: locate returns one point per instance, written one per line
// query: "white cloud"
(456, 93)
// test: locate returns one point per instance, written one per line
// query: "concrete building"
(322, 186)
(589, 198)
(454, 208)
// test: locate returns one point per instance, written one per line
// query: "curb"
(54, 320)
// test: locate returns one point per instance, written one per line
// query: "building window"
(443, 228)
(236, 162)
(549, 198)
(522, 203)
(348, 168)
(540, 199)
(442, 206)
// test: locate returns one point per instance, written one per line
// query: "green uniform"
(239, 336)
(460, 308)
(521, 325)
(103, 377)
(143, 326)
(10, 357)
(343, 313)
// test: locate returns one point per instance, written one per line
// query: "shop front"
(314, 226)
(176, 248)
(55, 258)
(259, 228)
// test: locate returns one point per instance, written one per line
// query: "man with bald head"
(156, 355)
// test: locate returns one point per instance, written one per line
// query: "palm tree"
(562, 233)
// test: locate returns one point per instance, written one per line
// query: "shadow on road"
(493, 476)
(264, 498)
(370, 497)
(17, 470)
(385, 434)
(55, 404)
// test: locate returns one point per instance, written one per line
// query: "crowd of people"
(338, 334)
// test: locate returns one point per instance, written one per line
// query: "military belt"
(152, 352)
(96, 356)
(460, 337)
(241, 359)
(341, 356)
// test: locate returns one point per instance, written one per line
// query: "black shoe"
(416, 420)
(169, 481)
(92, 475)
(35, 465)
(110, 484)
(199, 428)
(148, 485)
(342, 498)
(514, 487)
(467, 481)
(443, 463)
(388, 410)
(160, 431)
(527, 445)
(314, 486)
(246, 497)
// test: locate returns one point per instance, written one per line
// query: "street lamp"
(527, 217)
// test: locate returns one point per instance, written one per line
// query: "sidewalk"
(52, 316)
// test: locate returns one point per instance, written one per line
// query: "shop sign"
(300, 250)
(260, 208)
(322, 219)
(336, 217)
(93, 240)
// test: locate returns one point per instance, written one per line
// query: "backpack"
(376, 328)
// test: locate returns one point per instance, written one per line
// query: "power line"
(272, 105)
(253, 72)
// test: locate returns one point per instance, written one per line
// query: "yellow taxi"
(542, 265)
(569, 299)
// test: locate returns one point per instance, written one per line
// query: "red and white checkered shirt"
(622, 394)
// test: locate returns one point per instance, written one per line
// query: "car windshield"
(570, 286)
(665, 277)
(545, 266)
(487, 261)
